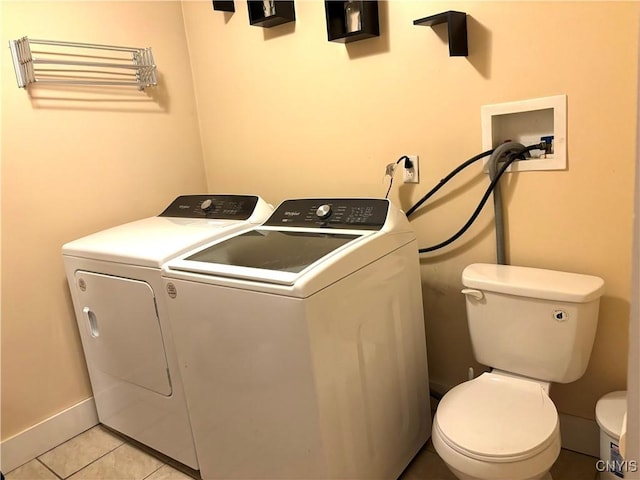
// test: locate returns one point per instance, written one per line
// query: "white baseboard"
(49, 433)
(580, 434)
(437, 388)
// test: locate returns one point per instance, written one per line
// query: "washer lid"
(497, 418)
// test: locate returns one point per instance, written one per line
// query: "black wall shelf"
(224, 5)
(457, 28)
(338, 29)
(283, 12)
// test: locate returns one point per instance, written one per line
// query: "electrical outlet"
(411, 175)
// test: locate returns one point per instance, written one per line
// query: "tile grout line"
(47, 467)
(37, 457)
(90, 463)
(161, 466)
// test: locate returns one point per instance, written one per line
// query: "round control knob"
(323, 212)
(206, 205)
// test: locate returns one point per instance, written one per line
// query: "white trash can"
(610, 411)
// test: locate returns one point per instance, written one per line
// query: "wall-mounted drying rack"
(72, 63)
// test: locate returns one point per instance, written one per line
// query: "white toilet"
(532, 327)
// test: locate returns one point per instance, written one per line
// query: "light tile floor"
(427, 465)
(99, 454)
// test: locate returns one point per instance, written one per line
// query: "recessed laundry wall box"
(528, 122)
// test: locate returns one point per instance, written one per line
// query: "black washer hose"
(444, 181)
(511, 157)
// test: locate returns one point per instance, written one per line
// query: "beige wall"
(74, 162)
(285, 113)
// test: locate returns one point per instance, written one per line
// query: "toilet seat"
(496, 418)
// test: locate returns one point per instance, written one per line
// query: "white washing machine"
(116, 287)
(301, 344)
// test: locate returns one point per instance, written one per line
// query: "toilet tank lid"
(533, 282)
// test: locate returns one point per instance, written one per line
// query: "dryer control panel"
(224, 207)
(347, 213)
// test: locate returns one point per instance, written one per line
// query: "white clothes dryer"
(115, 283)
(301, 344)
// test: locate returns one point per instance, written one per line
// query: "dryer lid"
(150, 242)
(497, 418)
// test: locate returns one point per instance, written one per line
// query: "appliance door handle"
(471, 292)
(92, 322)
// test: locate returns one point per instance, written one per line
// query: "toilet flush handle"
(470, 292)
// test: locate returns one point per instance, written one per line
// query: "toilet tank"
(532, 322)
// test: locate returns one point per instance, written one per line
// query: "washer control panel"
(224, 207)
(347, 213)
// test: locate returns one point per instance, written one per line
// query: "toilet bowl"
(532, 327)
(497, 426)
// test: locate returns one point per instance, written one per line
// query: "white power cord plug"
(389, 170)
